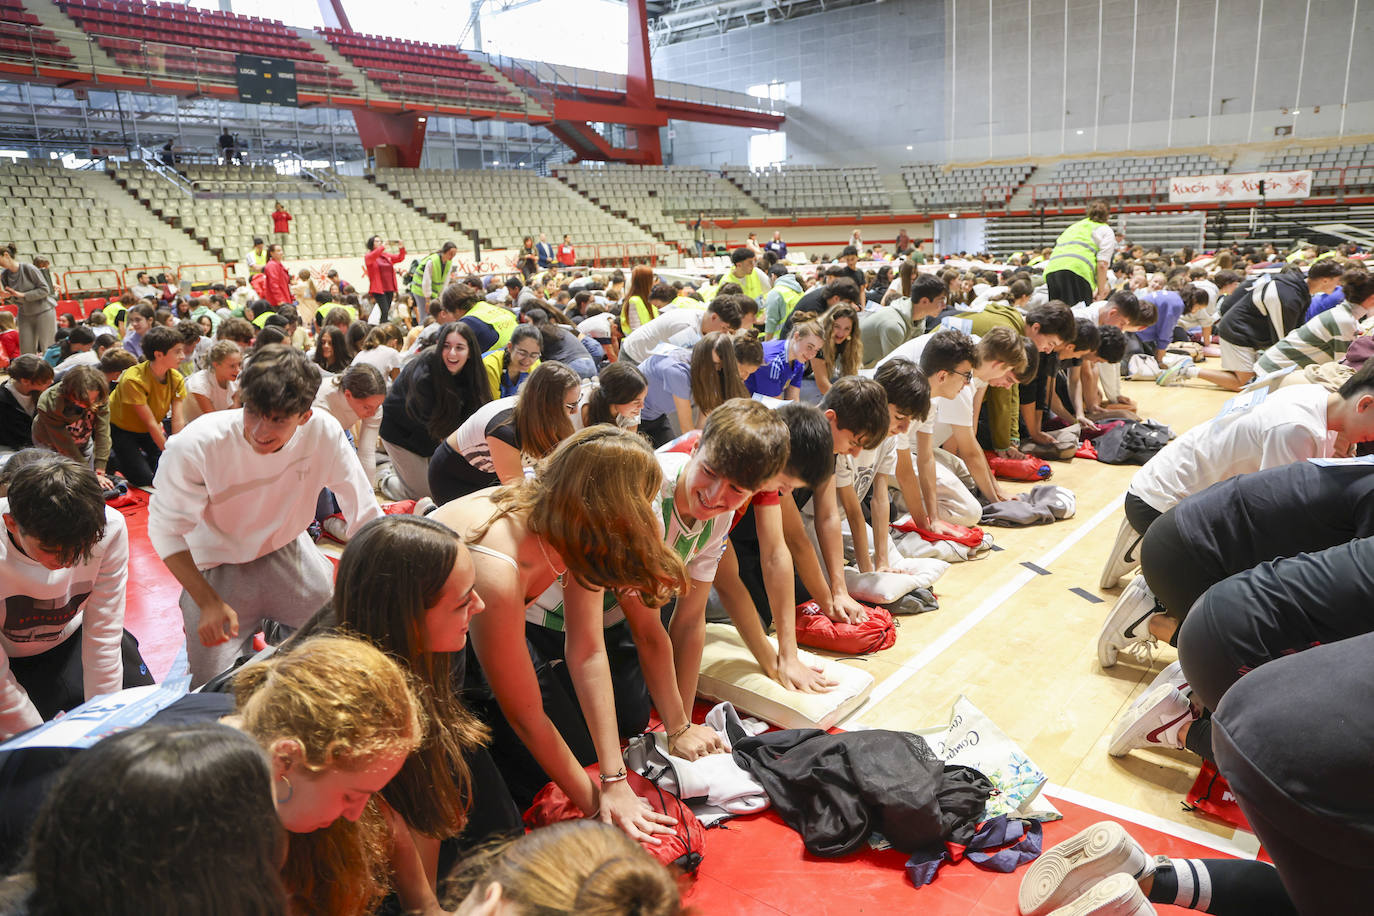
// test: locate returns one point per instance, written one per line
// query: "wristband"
(680, 732)
(615, 777)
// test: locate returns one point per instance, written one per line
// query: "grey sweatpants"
(287, 585)
(36, 332)
(412, 468)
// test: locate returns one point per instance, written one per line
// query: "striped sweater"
(1323, 339)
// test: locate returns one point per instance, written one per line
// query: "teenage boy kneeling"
(235, 493)
(64, 564)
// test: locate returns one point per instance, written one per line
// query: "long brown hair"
(641, 285)
(392, 571)
(593, 500)
(539, 418)
(713, 385)
(346, 704)
(848, 356)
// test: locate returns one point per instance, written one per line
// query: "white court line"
(980, 613)
(1243, 845)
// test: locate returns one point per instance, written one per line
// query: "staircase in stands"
(170, 222)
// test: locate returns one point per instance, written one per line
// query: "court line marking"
(979, 614)
(1242, 845)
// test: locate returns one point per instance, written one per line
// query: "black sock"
(1199, 739)
(1223, 887)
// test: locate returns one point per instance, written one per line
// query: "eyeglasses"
(967, 376)
(525, 354)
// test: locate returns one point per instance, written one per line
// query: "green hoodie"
(1002, 404)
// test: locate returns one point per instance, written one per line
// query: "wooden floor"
(1021, 644)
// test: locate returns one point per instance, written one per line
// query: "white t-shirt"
(598, 326)
(383, 358)
(681, 327)
(1089, 310)
(1104, 237)
(1283, 427)
(860, 470)
(203, 383)
(945, 413)
(472, 435)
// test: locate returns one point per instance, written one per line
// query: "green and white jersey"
(700, 546)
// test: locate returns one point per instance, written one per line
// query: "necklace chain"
(559, 574)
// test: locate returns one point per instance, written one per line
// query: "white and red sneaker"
(1129, 622)
(1156, 720)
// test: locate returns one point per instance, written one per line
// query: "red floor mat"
(151, 611)
(758, 865)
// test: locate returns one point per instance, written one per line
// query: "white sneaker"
(1067, 871)
(1176, 374)
(1128, 623)
(1171, 675)
(389, 485)
(1118, 895)
(1156, 721)
(1124, 558)
(335, 528)
(423, 506)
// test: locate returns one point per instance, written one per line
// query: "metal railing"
(1328, 182)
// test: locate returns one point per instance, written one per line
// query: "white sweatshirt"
(216, 497)
(331, 401)
(42, 608)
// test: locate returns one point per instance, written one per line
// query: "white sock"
(1194, 884)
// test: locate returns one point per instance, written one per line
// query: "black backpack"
(1133, 442)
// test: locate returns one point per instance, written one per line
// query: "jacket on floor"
(837, 789)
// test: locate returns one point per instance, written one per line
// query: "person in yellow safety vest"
(639, 308)
(779, 304)
(325, 307)
(753, 281)
(431, 276)
(686, 302)
(255, 258)
(1076, 270)
(491, 324)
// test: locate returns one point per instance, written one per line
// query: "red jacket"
(278, 284)
(381, 269)
(566, 255)
(280, 221)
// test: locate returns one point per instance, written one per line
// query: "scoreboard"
(266, 79)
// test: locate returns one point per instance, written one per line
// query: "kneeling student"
(235, 493)
(65, 559)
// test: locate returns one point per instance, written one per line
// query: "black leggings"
(1068, 287)
(1139, 513)
(451, 475)
(55, 679)
(1294, 738)
(1276, 609)
(1173, 569)
(383, 301)
(135, 455)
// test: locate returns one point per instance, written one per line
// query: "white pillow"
(730, 674)
(879, 587)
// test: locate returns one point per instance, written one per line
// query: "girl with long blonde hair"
(842, 352)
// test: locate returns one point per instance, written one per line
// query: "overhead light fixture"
(908, 146)
(1080, 132)
(522, 164)
(423, 120)
(954, 216)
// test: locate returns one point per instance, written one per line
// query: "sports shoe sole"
(1065, 872)
(1140, 725)
(1118, 895)
(1125, 556)
(1128, 621)
(1167, 378)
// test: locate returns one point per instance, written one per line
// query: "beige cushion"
(729, 673)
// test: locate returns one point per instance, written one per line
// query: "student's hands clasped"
(213, 620)
(696, 741)
(622, 808)
(795, 674)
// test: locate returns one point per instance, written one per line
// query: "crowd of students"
(491, 470)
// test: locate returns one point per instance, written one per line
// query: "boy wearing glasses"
(234, 494)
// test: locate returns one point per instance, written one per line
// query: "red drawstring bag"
(1023, 469)
(1211, 794)
(682, 848)
(817, 631)
(1086, 450)
(969, 537)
